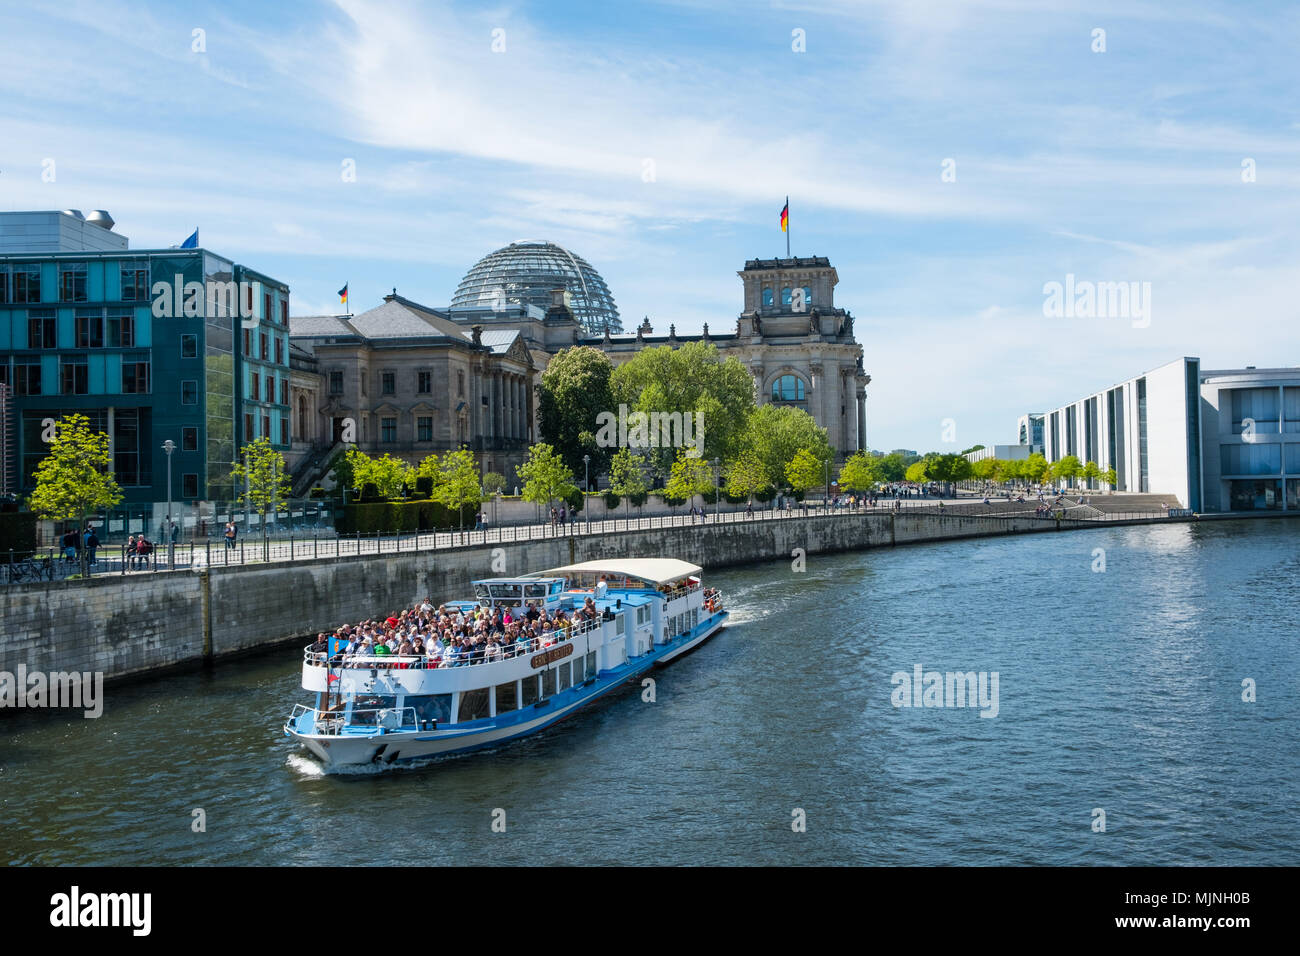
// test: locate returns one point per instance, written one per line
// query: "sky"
(951, 158)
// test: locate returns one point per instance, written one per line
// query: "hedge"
(391, 517)
(17, 533)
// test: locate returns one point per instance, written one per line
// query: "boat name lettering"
(554, 654)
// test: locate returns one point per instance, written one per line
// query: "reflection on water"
(1119, 690)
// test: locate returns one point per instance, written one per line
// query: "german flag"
(785, 216)
(343, 292)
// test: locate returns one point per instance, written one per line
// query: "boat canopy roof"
(654, 571)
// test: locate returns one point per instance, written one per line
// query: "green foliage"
(1090, 471)
(575, 388)
(1035, 468)
(1067, 468)
(391, 517)
(459, 486)
(627, 477)
(916, 471)
(860, 472)
(612, 500)
(76, 478)
(891, 467)
(777, 433)
(390, 476)
(1110, 477)
(690, 476)
(687, 380)
(545, 476)
(493, 482)
(804, 471)
(263, 471)
(746, 476)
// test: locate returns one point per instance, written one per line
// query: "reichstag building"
(410, 379)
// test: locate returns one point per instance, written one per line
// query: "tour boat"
(391, 709)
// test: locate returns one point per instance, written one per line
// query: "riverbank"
(130, 626)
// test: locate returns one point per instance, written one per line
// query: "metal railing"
(402, 662)
(247, 550)
(332, 722)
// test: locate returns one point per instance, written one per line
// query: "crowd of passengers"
(448, 637)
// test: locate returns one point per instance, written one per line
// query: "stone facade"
(484, 366)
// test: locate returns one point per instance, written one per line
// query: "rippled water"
(1118, 690)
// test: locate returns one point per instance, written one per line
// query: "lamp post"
(169, 446)
(586, 487)
(827, 503)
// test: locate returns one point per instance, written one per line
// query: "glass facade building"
(150, 346)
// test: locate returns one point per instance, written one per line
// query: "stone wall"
(130, 625)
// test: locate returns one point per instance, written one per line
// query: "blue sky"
(1122, 165)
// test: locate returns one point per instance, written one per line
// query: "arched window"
(807, 296)
(767, 296)
(302, 417)
(788, 388)
(786, 297)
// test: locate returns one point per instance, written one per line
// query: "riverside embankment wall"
(133, 624)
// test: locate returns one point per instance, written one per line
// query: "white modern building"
(1218, 440)
(1000, 452)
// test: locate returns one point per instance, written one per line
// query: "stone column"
(861, 404)
(848, 389)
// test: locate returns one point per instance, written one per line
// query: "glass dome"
(524, 273)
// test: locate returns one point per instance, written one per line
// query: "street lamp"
(586, 487)
(169, 446)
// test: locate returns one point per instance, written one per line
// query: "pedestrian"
(92, 545)
(229, 535)
(562, 515)
(176, 531)
(130, 553)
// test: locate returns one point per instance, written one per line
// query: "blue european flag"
(192, 242)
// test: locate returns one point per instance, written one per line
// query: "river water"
(1119, 690)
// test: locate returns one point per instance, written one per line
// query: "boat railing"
(332, 722)
(676, 593)
(713, 603)
(406, 661)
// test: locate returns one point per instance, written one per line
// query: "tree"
(690, 476)
(459, 485)
(493, 482)
(545, 476)
(777, 433)
(1110, 477)
(985, 469)
(688, 380)
(916, 471)
(1091, 472)
(575, 389)
(263, 468)
(746, 476)
(76, 478)
(892, 467)
(627, 477)
(1035, 468)
(860, 472)
(389, 475)
(804, 470)
(1067, 468)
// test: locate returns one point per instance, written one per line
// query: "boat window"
(557, 588)
(622, 623)
(481, 591)
(535, 590)
(578, 675)
(591, 664)
(505, 590)
(431, 707)
(548, 683)
(563, 676)
(507, 697)
(528, 696)
(473, 704)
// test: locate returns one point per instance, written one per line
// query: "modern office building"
(1221, 440)
(1029, 428)
(150, 345)
(1250, 433)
